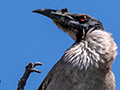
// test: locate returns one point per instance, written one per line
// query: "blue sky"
(28, 37)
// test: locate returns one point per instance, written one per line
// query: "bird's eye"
(83, 18)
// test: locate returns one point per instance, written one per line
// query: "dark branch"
(28, 70)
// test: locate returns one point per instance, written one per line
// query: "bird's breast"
(96, 51)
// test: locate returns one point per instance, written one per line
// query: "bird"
(87, 64)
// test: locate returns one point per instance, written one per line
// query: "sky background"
(29, 37)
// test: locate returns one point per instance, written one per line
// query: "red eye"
(83, 18)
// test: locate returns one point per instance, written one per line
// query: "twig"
(28, 70)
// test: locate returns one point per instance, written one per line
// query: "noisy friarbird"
(87, 64)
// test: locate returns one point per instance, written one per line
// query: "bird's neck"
(97, 50)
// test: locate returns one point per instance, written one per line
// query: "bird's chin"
(70, 31)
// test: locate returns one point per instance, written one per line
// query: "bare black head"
(76, 25)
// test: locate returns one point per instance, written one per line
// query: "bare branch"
(28, 70)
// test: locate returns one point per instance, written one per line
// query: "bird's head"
(76, 25)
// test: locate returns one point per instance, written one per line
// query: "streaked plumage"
(86, 65)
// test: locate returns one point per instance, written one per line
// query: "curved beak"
(47, 12)
(62, 17)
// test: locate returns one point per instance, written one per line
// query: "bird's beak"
(53, 14)
(63, 19)
(58, 16)
(47, 12)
